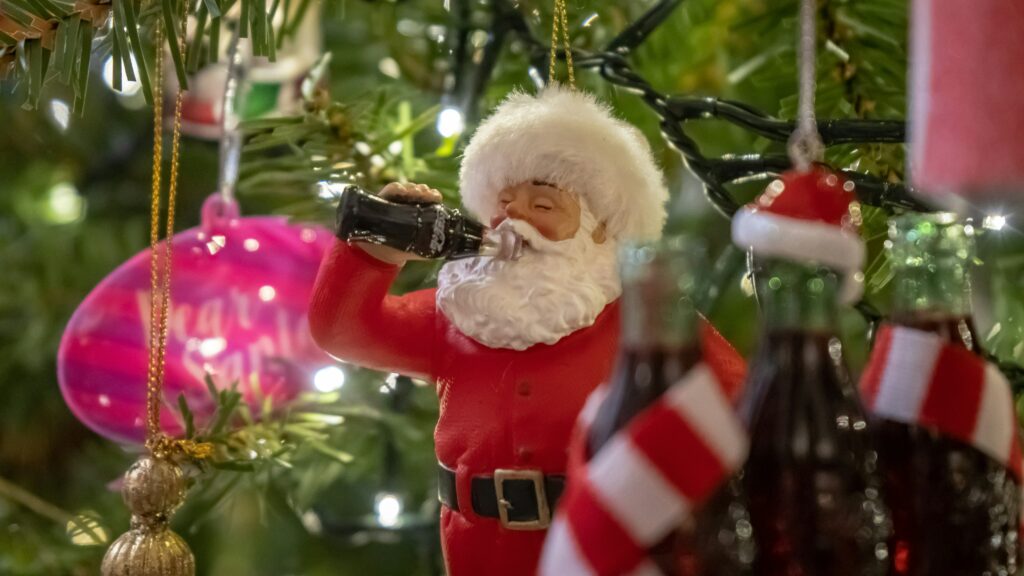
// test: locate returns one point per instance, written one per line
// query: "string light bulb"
(329, 379)
(388, 507)
(450, 122)
(994, 222)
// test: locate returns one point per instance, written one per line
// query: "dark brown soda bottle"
(954, 509)
(658, 346)
(810, 481)
(721, 540)
(431, 231)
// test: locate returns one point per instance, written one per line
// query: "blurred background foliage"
(74, 201)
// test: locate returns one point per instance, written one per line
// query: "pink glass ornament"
(239, 296)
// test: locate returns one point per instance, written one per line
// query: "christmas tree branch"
(82, 529)
(53, 40)
(299, 450)
(14, 493)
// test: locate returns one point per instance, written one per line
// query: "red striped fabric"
(645, 481)
(918, 378)
(594, 528)
(954, 392)
(871, 380)
(697, 473)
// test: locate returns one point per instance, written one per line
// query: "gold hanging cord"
(160, 280)
(560, 19)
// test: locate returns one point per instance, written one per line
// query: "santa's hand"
(409, 193)
(406, 193)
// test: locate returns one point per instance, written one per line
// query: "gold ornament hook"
(560, 19)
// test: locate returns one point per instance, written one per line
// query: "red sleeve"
(353, 318)
(728, 366)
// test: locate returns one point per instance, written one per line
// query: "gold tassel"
(153, 489)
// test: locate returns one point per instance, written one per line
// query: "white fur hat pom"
(566, 137)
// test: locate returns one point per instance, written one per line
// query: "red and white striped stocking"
(645, 481)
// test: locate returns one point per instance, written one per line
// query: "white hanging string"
(805, 146)
(231, 136)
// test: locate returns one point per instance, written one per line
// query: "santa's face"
(552, 211)
(560, 285)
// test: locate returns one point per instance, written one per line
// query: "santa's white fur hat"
(568, 138)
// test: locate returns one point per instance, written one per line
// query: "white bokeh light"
(61, 113)
(212, 346)
(994, 222)
(389, 67)
(267, 293)
(128, 87)
(65, 203)
(329, 379)
(328, 190)
(450, 122)
(389, 509)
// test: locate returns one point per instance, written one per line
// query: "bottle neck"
(503, 244)
(659, 333)
(931, 256)
(656, 318)
(797, 296)
(936, 287)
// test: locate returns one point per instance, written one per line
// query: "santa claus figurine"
(513, 347)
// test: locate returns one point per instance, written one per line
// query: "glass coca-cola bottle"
(954, 509)
(429, 230)
(658, 346)
(720, 542)
(658, 342)
(810, 481)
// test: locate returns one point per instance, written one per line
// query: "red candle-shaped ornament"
(967, 119)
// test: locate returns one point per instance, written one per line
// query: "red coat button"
(523, 388)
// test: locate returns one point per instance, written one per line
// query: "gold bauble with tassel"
(153, 489)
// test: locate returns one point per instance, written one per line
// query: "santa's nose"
(514, 210)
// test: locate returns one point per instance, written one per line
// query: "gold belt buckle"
(543, 511)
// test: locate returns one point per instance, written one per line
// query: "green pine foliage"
(52, 41)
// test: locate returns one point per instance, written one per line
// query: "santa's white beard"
(555, 289)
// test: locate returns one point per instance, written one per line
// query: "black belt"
(519, 499)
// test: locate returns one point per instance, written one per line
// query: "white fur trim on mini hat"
(769, 234)
(568, 138)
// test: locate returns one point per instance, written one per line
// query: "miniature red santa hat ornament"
(808, 216)
(567, 138)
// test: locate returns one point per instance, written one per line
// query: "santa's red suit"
(499, 408)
